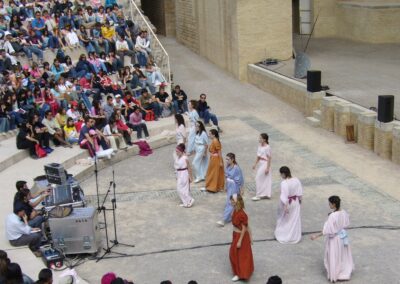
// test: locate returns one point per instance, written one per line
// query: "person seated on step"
(149, 103)
(35, 198)
(205, 112)
(179, 100)
(54, 130)
(86, 140)
(164, 101)
(19, 233)
(26, 139)
(22, 199)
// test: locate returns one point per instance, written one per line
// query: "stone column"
(313, 102)
(383, 139)
(327, 112)
(341, 117)
(396, 145)
(366, 130)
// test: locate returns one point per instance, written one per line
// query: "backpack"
(60, 211)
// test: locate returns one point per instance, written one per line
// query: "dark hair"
(274, 280)
(109, 97)
(265, 137)
(20, 184)
(193, 103)
(286, 171)
(334, 199)
(47, 113)
(215, 133)
(60, 110)
(3, 262)
(181, 147)
(45, 275)
(201, 127)
(14, 273)
(179, 119)
(166, 282)
(232, 157)
(192, 282)
(118, 280)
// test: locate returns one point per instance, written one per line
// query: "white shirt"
(121, 45)
(142, 42)
(119, 104)
(15, 228)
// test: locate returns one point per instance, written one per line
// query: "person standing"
(263, 175)
(183, 176)
(200, 161)
(215, 177)
(180, 129)
(338, 259)
(288, 225)
(234, 185)
(193, 117)
(240, 253)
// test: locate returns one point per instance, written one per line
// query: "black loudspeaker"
(385, 108)
(313, 80)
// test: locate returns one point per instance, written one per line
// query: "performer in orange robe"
(240, 253)
(215, 177)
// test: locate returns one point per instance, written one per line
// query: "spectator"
(122, 49)
(274, 280)
(109, 107)
(143, 46)
(14, 275)
(204, 112)
(22, 198)
(38, 24)
(163, 99)
(19, 233)
(148, 102)
(137, 123)
(179, 100)
(26, 139)
(71, 134)
(45, 276)
(86, 141)
(122, 127)
(54, 130)
(40, 132)
(116, 139)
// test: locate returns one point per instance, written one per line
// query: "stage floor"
(355, 71)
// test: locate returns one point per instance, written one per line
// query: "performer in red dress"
(240, 253)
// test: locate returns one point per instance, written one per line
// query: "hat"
(108, 278)
(25, 67)
(6, 33)
(74, 103)
(92, 132)
(117, 96)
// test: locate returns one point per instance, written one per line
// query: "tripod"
(115, 242)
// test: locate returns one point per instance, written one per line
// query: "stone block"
(313, 102)
(383, 137)
(317, 114)
(355, 111)
(328, 112)
(396, 145)
(312, 121)
(341, 117)
(366, 130)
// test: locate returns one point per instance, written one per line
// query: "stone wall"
(170, 18)
(186, 24)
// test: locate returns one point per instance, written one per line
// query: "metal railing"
(160, 55)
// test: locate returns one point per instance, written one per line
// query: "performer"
(183, 176)
(338, 259)
(180, 129)
(200, 161)
(263, 175)
(215, 178)
(193, 117)
(240, 253)
(288, 225)
(234, 185)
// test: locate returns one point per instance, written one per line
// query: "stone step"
(312, 121)
(317, 114)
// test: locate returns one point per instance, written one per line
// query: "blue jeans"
(36, 222)
(4, 124)
(105, 43)
(207, 115)
(180, 106)
(35, 50)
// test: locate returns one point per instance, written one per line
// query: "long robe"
(263, 181)
(234, 181)
(288, 226)
(241, 258)
(200, 161)
(215, 178)
(193, 117)
(338, 259)
(182, 179)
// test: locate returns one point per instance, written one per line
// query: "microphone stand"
(108, 248)
(115, 242)
(96, 179)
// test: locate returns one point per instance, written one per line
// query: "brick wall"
(186, 24)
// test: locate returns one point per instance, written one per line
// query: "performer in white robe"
(288, 225)
(183, 176)
(337, 259)
(263, 174)
(193, 117)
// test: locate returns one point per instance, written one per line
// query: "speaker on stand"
(385, 108)
(314, 81)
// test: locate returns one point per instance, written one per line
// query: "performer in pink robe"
(288, 225)
(263, 175)
(183, 176)
(338, 259)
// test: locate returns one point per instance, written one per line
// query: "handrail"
(133, 5)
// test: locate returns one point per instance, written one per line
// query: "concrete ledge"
(366, 130)
(383, 139)
(396, 145)
(369, 5)
(285, 88)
